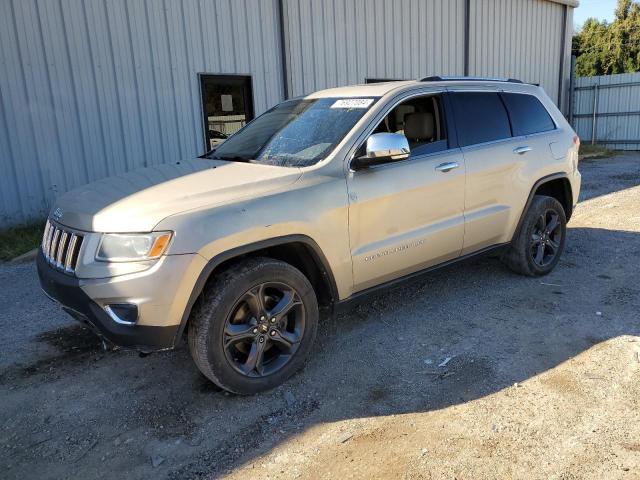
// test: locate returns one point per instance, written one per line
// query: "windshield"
(295, 133)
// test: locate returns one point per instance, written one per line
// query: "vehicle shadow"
(458, 335)
(603, 176)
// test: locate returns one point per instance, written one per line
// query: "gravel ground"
(541, 381)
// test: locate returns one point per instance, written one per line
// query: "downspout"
(572, 86)
(563, 47)
(467, 20)
(283, 49)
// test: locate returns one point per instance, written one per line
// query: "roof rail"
(437, 78)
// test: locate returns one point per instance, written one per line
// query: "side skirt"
(359, 297)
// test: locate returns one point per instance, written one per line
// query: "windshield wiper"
(232, 158)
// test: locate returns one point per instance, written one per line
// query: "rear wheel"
(540, 242)
(254, 326)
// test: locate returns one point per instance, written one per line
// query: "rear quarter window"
(480, 117)
(527, 114)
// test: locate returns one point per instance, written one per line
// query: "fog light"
(123, 313)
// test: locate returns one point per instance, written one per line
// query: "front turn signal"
(160, 245)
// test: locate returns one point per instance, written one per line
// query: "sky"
(600, 9)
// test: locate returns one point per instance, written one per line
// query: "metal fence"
(606, 110)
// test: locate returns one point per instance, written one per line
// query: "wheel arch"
(299, 250)
(556, 185)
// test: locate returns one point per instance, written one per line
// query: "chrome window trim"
(418, 158)
(493, 142)
(545, 132)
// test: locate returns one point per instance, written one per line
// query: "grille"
(61, 247)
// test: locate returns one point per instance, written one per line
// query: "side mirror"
(382, 148)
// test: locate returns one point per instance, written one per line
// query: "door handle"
(522, 150)
(447, 167)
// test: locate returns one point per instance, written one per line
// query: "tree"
(604, 48)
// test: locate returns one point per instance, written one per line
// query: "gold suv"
(316, 202)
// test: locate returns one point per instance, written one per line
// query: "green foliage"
(15, 241)
(604, 48)
(588, 151)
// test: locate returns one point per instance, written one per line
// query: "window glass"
(295, 133)
(420, 120)
(480, 117)
(227, 106)
(527, 114)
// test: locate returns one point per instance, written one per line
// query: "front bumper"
(70, 293)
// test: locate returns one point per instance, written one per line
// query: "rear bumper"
(575, 186)
(67, 291)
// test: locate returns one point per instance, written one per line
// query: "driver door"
(407, 215)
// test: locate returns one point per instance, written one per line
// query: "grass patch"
(595, 151)
(17, 240)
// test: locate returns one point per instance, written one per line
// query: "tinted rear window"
(480, 117)
(527, 114)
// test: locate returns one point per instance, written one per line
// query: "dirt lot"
(543, 380)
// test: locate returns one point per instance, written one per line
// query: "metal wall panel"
(618, 110)
(338, 42)
(91, 88)
(342, 42)
(518, 39)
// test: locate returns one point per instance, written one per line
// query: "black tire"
(230, 342)
(536, 251)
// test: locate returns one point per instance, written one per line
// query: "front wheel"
(538, 245)
(254, 325)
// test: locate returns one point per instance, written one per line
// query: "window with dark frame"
(480, 117)
(527, 114)
(227, 106)
(421, 120)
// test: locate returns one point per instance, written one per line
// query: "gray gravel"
(373, 401)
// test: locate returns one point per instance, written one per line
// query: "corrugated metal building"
(91, 88)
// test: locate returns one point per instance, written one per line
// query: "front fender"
(313, 211)
(238, 251)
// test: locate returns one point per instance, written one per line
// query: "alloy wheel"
(546, 238)
(264, 329)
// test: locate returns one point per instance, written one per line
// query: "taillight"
(576, 141)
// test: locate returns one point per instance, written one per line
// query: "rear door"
(537, 138)
(531, 121)
(493, 167)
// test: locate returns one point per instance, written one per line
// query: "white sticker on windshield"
(352, 103)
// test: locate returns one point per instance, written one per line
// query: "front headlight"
(131, 247)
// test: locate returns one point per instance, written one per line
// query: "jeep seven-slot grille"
(61, 247)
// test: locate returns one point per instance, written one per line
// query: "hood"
(137, 201)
